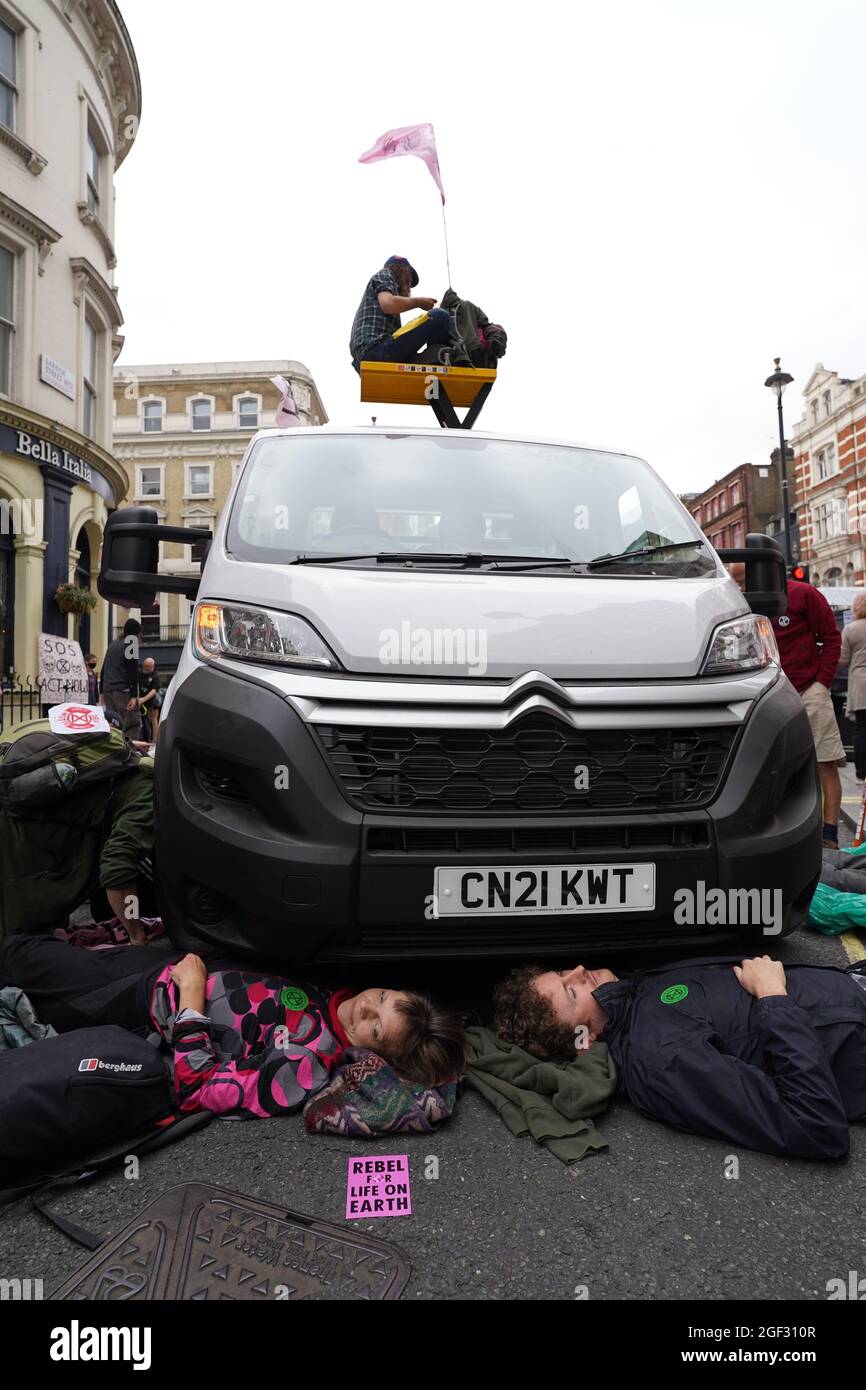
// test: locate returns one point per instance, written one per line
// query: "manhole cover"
(196, 1241)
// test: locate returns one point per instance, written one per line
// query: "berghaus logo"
(96, 1064)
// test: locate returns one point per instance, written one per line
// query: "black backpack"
(33, 761)
(64, 1098)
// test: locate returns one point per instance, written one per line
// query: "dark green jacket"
(552, 1101)
(51, 863)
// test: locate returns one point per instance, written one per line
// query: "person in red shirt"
(809, 646)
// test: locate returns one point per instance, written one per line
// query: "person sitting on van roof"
(377, 320)
(243, 1041)
(758, 1054)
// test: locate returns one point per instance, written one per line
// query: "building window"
(826, 462)
(814, 412)
(90, 377)
(93, 159)
(8, 89)
(830, 519)
(201, 414)
(149, 618)
(195, 551)
(737, 536)
(248, 413)
(849, 575)
(198, 480)
(151, 414)
(7, 318)
(149, 481)
(833, 579)
(828, 404)
(735, 494)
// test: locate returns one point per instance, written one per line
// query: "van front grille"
(564, 838)
(539, 764)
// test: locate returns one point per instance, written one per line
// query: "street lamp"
(777, 382)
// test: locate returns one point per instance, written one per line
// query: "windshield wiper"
(641, 554)
(468, 559)
(383, 556)
(529, 563)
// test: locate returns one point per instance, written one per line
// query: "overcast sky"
(654, 198)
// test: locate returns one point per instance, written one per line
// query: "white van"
(449, 693)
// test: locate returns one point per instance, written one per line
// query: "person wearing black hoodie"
(753, 1053)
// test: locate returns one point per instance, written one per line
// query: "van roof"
(516, 438)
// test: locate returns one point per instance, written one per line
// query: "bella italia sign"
(41, 451)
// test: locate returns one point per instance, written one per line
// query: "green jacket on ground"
(552, 1101)
(52, 861)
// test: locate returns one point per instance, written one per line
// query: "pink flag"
(287, 411)
(408, 139)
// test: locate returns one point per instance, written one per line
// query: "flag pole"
(447, 260)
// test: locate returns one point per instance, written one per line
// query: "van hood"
(494, 626)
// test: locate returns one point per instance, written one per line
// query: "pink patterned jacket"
(264, 1047)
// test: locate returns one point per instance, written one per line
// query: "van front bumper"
(260, 849)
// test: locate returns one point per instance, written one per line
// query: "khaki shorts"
(825, 730)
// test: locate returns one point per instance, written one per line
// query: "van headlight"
(258, 634)
(746, 644)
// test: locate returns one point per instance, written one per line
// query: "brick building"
(743, 500)
(830, 467)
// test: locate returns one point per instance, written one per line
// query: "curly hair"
(858, 607)
(523, 1016)
(431, 1047)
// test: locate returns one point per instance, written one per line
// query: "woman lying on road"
(242, 1041)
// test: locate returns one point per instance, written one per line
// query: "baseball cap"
(401, 260)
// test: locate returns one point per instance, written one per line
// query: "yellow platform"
(405, 383)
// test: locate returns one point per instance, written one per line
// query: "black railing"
(24, 698)
(174, 633)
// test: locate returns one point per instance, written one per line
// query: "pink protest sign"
(378, 1187)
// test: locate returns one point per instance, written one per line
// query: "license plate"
(497, 890)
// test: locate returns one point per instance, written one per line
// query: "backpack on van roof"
(35, 763)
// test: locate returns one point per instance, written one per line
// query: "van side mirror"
(129, 572)
(766, 587)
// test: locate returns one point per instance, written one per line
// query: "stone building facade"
(180, 433)
(70, 99)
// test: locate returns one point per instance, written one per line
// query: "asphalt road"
(652, 1217)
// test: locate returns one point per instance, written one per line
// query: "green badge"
(294, 998)
(673, 994)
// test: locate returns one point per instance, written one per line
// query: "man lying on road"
(753, 1054)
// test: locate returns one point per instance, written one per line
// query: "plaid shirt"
(370, 324)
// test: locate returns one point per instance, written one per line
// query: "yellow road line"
(853, 946)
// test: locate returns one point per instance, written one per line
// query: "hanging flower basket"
(70, 599)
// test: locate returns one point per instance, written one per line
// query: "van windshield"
(374, 495)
